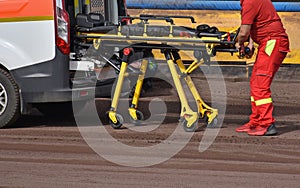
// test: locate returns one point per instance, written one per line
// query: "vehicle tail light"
(62, 25)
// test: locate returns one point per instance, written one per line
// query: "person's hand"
(250, 51)
(241, 50)
(250, 45)
(237, 46)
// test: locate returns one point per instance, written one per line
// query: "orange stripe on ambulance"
(26, 8)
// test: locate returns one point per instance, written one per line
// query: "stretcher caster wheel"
(189, 128)
(213, 123)
(139, 117)
(119, 121)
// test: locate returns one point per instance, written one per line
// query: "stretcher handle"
(169, 17)
(236, 34)
(170, 20)
(226, 50)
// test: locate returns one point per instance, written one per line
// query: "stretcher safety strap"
(263, 101)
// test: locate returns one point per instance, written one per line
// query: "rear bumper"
(61, 95)
(52, 81)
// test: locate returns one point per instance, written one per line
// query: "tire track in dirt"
(45, 152)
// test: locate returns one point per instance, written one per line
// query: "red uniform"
(267, 31)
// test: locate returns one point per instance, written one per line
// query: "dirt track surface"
(46, 152)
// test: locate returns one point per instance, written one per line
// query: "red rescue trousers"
(271, 53)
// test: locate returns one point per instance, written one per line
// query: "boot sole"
(271, 131)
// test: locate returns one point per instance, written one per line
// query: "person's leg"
(264, 105)
(261, 93)
(266, 65)
(253, 118)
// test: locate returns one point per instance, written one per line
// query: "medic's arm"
(243, 35)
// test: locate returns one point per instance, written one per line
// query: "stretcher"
(170, 39)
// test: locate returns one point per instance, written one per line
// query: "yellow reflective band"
(270, 47)
(27, 19)
(252, 99)
(263, 101)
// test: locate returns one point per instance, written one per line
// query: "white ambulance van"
(36, 40)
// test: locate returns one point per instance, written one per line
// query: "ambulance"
(36, 55)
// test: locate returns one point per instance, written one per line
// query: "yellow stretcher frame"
(188, 117)
(169, 46)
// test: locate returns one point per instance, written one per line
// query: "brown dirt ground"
(47, 152)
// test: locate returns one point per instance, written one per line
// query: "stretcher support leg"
(115, 119)
(135, 114)
(203, 108)
(188, 117)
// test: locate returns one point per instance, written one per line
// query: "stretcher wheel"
(191, 128)
(119, 122)
(140, 117)
(213, 123)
